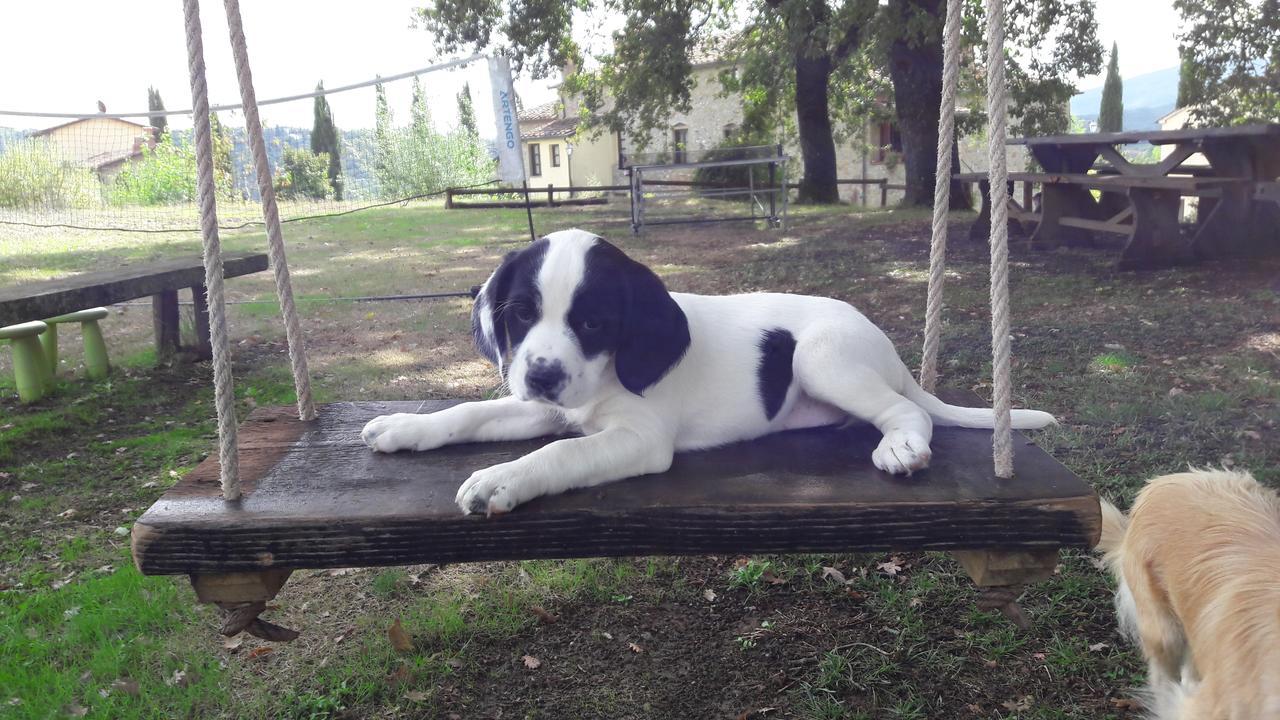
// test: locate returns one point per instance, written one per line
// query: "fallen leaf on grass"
(891, 567)
(1130, 704)
(1038, 656)
(531, 662)
(125, 685)
(772, 579)
(1023, 704)
(69, 512)
(400, 675)
(232, 644)
(415, 696)
(1098, 647)
(543, 615)
(260, 651)
(75, 710)
(400, 639)
(344, 634)
(834, 574)
(180, 678)
(855, 595)
(709, 594)
(635, 648)
(915, 602)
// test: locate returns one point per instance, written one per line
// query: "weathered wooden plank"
(38, 300)
(316, 497)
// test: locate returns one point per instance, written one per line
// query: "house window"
(555, 155)
(729, 130)
(535, 159)
(680, 143)
(887, 138)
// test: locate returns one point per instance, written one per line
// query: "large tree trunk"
(817, 143)
(916, 71)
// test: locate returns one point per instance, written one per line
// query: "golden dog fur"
(1197, 562)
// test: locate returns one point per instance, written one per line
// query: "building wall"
(710, 113)
(595, 159)
(558, 176)
(80, 142)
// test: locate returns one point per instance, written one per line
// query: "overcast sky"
(65, 55)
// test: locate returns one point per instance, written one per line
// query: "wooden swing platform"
(316, 497)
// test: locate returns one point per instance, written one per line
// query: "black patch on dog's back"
(777, 348)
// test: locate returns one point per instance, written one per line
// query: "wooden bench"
(316, 497)
(161, 280)
(1148, 218)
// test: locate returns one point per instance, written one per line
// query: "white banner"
(510, 159)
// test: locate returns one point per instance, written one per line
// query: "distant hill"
(1146, 99)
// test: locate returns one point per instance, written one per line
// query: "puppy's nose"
(544, 378)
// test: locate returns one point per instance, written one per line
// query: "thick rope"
(271, 214)
(997, 100)
(223, 394)
(941, 196)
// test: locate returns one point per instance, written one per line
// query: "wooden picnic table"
(161, 280)
(1142, 201)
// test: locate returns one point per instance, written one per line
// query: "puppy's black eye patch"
(524, 312)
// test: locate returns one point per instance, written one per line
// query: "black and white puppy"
(590, 341)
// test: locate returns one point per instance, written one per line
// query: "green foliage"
(325, 140)
(223, 168)
(733, 176)
(467, 112)
(1190, 84)
(1232, 50)
(1111, 112)
(302, 175)
(845, 48)
(165, 175)
(32, 176)
(159, 121)
(418, 160)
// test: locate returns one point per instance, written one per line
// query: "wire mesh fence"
(364, 145)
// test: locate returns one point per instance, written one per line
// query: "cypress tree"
(1111, 113)
(160, 121)
(325, 139)
(420, 111)
(1190, 85)
(467, 112)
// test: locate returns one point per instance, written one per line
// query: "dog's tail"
(1166, 700)
(984, 418)
(1114, 525)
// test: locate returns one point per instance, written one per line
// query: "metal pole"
(528, 210)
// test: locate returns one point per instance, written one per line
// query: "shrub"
(32, 177)
(303, 175)
(165, 175)
(732, 176)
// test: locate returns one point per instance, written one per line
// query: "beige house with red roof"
(102, 144)
(555, 154)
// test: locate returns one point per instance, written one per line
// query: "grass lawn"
(1148, 373)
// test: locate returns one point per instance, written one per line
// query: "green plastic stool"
(30, 368)
(95, 348)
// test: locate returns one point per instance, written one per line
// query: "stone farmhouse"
(561, 152)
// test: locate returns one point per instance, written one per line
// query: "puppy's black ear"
(654, 332)
(489, 332)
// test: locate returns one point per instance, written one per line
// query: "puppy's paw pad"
(902, 453)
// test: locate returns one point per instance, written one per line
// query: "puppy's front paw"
(491, 490)
(902, 453)
(403, 431)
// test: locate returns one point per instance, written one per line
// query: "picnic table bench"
(161, 280)
(1237, 213)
